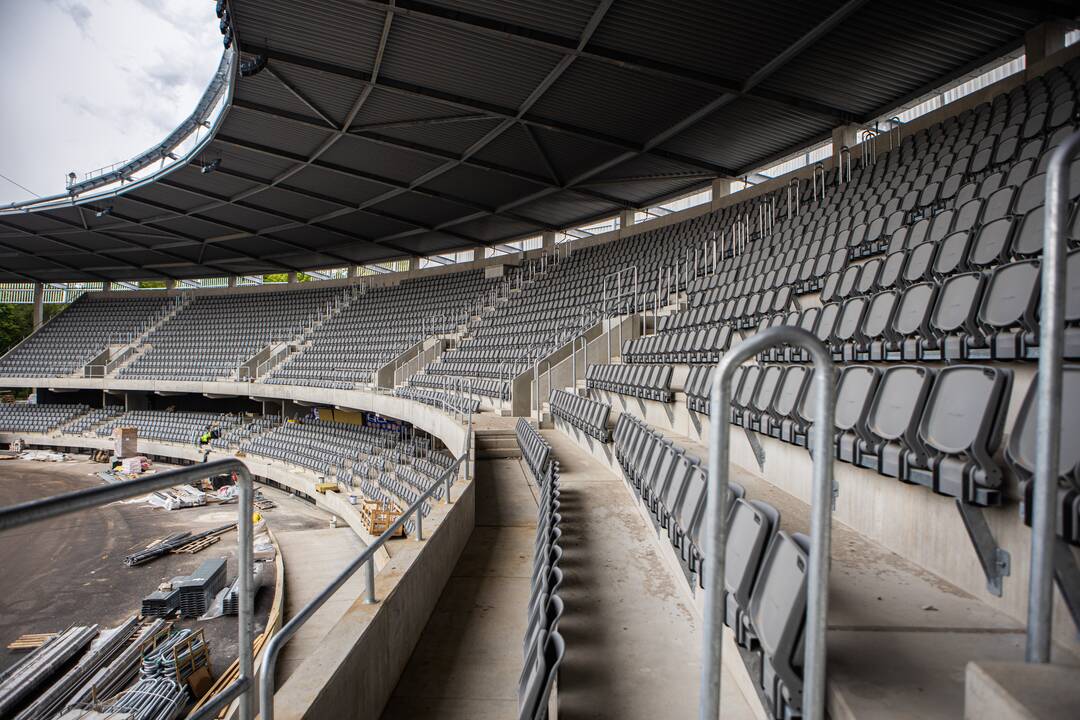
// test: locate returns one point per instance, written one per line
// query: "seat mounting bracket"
(995, 560)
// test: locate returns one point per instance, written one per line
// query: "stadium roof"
(367, 130)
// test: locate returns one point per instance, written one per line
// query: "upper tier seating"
(65, 344)
(214, 334)
(379, 325)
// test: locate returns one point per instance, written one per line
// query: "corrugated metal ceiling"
(380, 129)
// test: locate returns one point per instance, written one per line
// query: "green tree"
(284, 277)
(16, 322)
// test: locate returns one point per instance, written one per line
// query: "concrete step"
(1020, 691)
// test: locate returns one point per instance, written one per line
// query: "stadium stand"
(83, 331)
(28, 417)
(918, 268)
(375, 328)
(212, 336)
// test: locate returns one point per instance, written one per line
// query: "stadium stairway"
(468, 659)
(633, 639)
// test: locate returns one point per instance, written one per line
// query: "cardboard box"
(126, 442)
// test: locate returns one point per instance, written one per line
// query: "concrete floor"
(313, 558)
(632, 642)
(468, 659)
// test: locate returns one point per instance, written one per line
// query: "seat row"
(649, 382)
(534, 448)
(764, 567)
(542, 647)
(589, 416)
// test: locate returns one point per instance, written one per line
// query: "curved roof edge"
(218, 89)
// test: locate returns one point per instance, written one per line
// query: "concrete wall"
(910, 520)
(364, 654)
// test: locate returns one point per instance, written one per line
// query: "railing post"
(820, 518)
(419, 524)
(1048, 404)
(370, 581)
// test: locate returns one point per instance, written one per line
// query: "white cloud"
(89, 84)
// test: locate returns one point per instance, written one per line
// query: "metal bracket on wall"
(995, 560)
(1067, 575)
(755, 445)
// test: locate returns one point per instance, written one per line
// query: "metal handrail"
(716, 529)
(1048, 403)
(35, 511)
(366, 558)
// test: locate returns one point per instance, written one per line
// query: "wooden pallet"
(31, 641)
(198, 546)
(378, 518)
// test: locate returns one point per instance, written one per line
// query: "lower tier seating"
(764, 567)
(543, 647)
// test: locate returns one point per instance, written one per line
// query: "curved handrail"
(820, 511)
(366, 558)
(1048, 402)
(34, 511)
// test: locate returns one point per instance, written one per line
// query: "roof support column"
(170, 284)
(39, 304)
(232, 281)
(626, 218)
(351, 272)
(478, 254)
(1045, 39)
(414, 263)
(293, 279)
(548, 239)
(721, 188)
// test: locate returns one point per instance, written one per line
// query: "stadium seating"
(213, 335)
(379, 325)
(80, 333)
(543, 646)
(589, 416)
(33, 418)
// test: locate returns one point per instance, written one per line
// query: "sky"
(87, 83)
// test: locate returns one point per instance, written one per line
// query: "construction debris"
(101, 652)
(196, 545)
(31, 641)
(181, 496)
(198, 590)
(43, 456)
(151, 699)
(262, 502)
(111, 678)
(171, 543)
(43, 663)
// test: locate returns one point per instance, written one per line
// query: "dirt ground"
(70, 570)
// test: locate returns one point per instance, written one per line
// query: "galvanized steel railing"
(1048, 403)
(46, 508)
(821, 494)
(366, 559)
